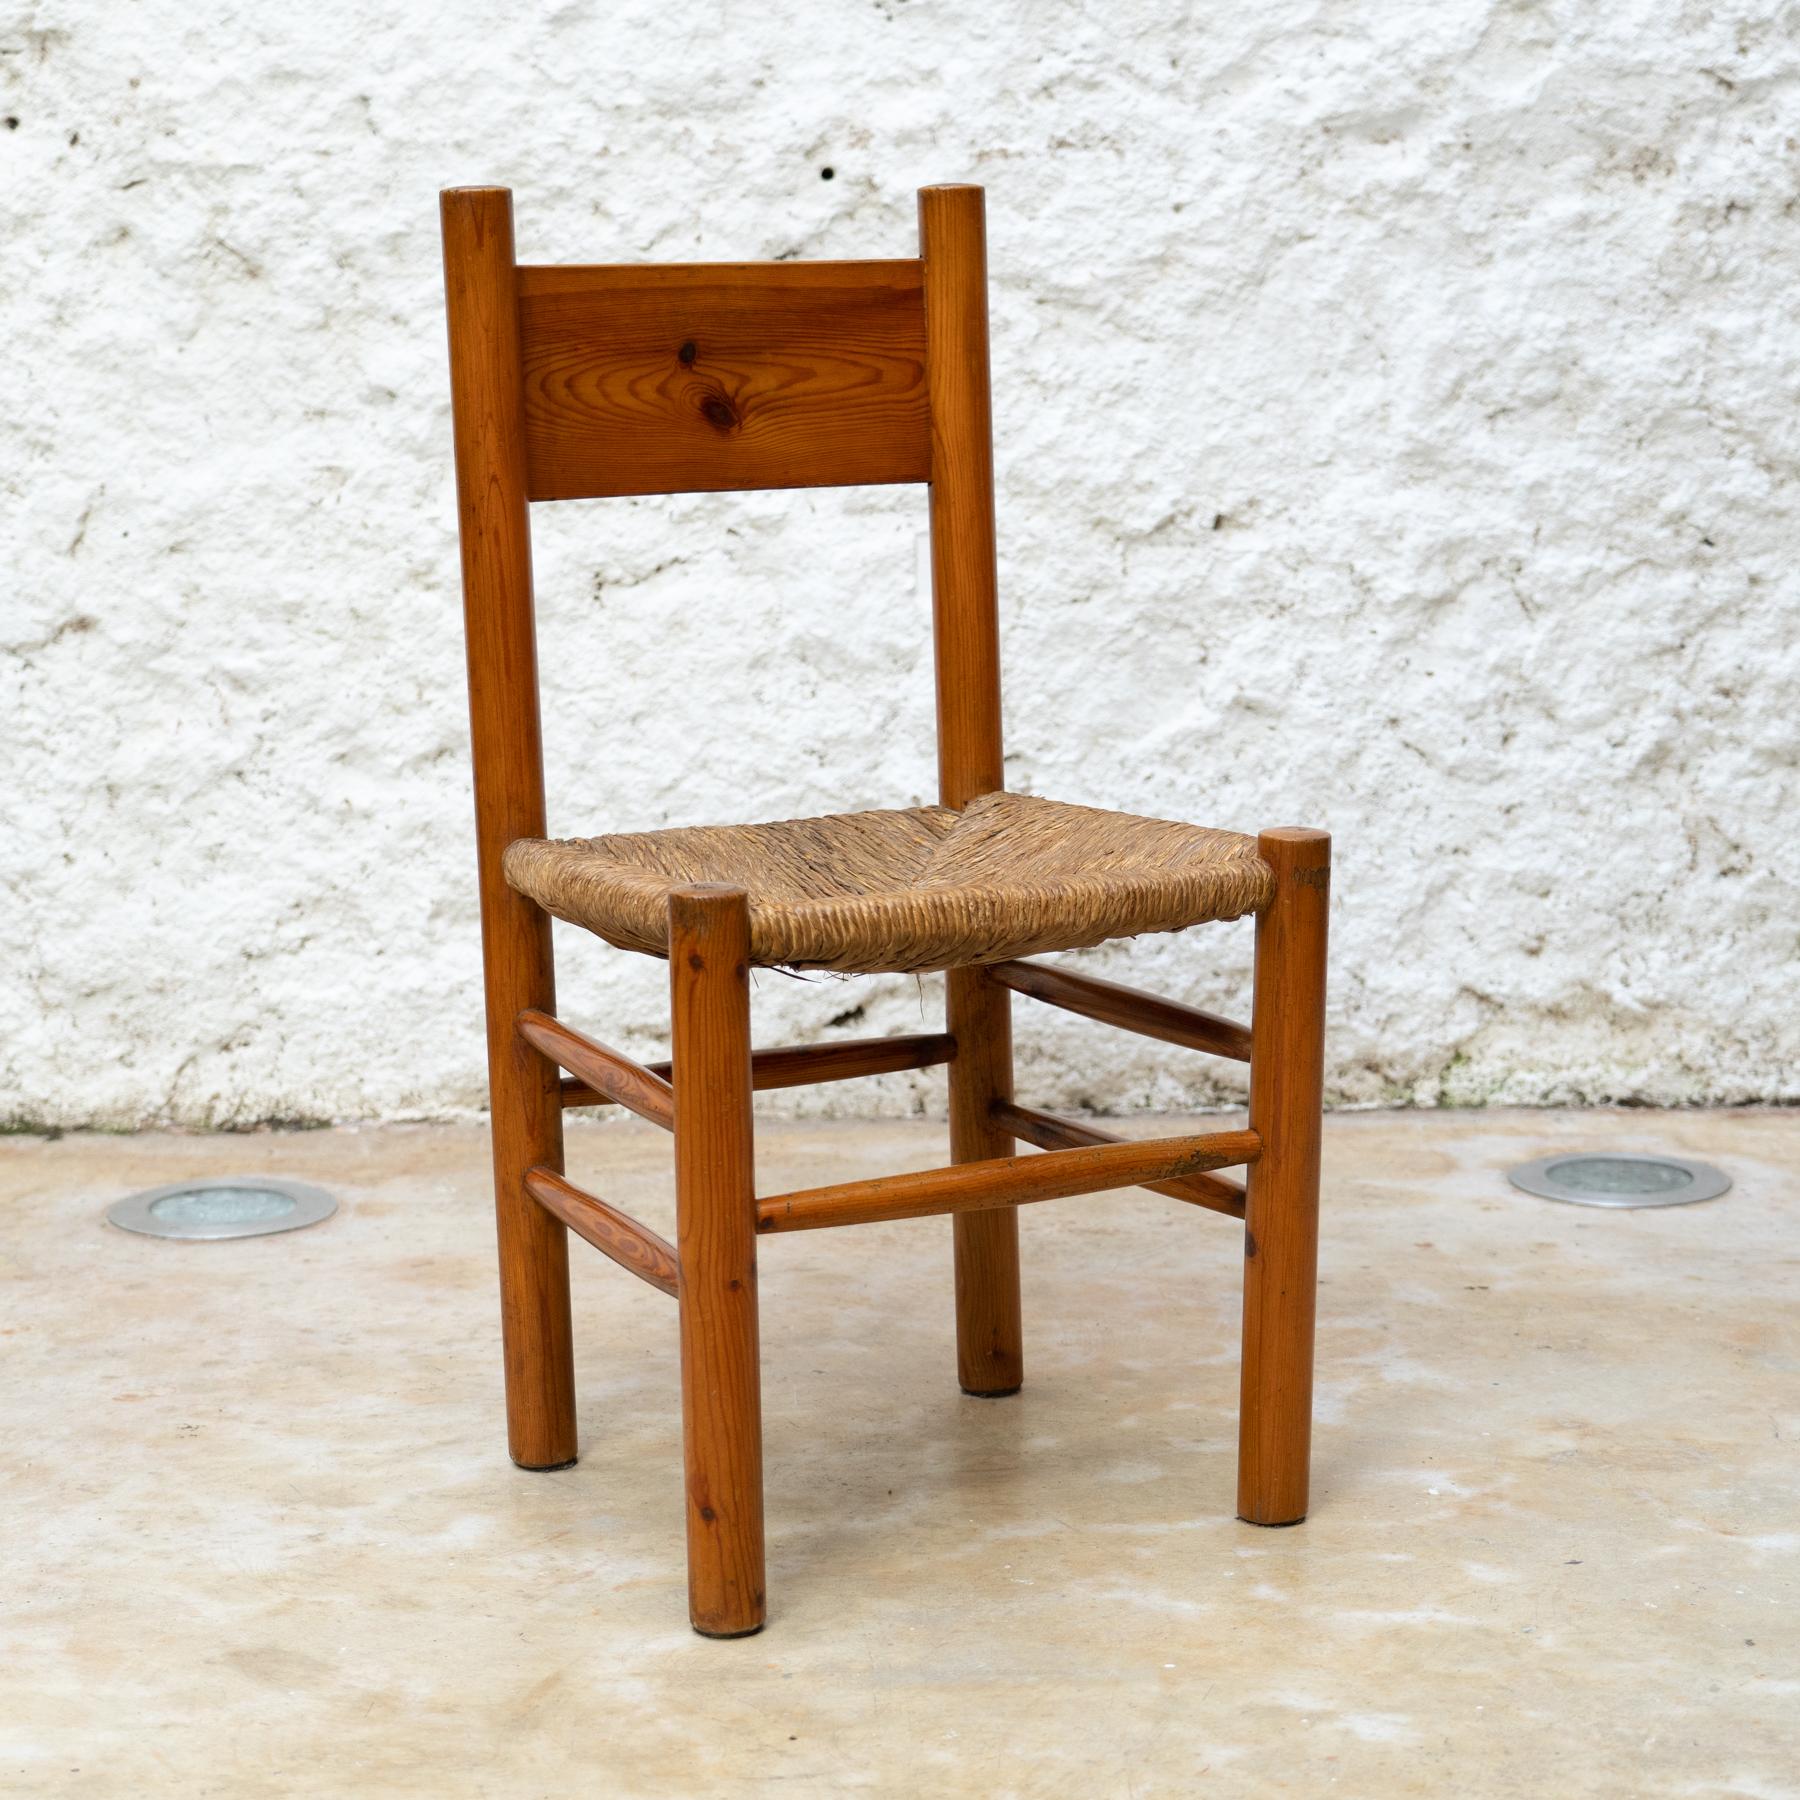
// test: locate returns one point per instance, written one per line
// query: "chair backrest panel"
(697, 377)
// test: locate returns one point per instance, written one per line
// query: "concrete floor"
(261, 1537)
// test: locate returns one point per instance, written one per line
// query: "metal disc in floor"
(223, 1206)
(1620, 1178)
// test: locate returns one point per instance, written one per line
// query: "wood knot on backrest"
(719, 412)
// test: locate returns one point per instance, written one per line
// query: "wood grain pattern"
(517, 969)
(715, 1209)
(990, 1328)
(687, 378)
(1053, 1131)
(1007, 1181)
(802, 1065)
(1281, 1224)
(632, 1246)
(965, 580)
(965, 622)
(1111, 1003)
(602, 1070)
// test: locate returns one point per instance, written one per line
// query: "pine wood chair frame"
(526, 345)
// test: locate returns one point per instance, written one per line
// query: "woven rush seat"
(925, 887)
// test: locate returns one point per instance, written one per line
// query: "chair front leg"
(715, 1204)
(990, 1355)
(1281, 1222)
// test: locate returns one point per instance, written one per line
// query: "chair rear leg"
(990, 1357)
(1281, 1225)
(715, 1202)
(526, 1108)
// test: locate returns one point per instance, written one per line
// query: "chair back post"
(964, 578)
(487, 404)
(495, 530)
(965, 617)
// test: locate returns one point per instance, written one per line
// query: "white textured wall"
(1396, 414)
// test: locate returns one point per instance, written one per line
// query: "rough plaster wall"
(1395, 429)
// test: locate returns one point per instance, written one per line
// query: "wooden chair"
(572, 382)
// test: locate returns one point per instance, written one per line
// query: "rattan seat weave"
(921, 888)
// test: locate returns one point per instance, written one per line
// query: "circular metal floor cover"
(223, 1206)
(1620, 1178)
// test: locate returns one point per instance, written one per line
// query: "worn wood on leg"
(1281, 1226)
(715, 1209)
(523, 1086)
(990, 1355)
